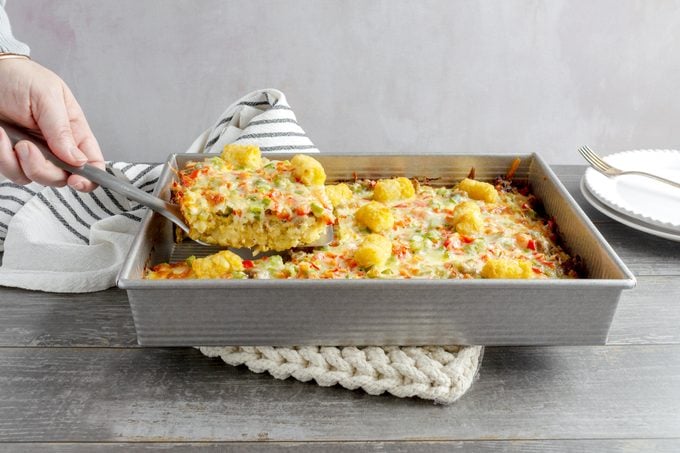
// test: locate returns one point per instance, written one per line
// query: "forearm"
(9, 44)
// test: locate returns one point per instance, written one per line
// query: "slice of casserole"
(241, 199)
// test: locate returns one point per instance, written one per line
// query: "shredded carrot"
(513, 168)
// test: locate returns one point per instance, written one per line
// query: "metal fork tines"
(606, 169)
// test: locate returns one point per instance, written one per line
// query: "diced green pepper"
(317, 209)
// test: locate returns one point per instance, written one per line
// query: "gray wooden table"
(72, 378)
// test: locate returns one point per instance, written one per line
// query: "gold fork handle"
(649, 175)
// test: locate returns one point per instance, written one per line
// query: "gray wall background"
(375, 76)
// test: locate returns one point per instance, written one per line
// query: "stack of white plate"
(639, 202)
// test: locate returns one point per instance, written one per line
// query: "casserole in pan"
(378, 311)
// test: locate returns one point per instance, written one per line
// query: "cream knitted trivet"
(439, 373)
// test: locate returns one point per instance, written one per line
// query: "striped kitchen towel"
(61, 240)
(261, 118)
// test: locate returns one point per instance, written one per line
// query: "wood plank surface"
(73, 379)
(32, 318)
(174, 395)
(644, 254)
(648, 314)
(547, 446)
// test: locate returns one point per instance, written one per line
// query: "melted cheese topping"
(507, 239)
(265, 207)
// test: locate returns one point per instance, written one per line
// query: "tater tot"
(386, 190)
(338, 194)
(218, 265)
(407, 189)
(395, 189)
(467, 218)
(308, 170)
(243, 156)
(479, 190)
(376, 216)
(507, 268)
(373, 251)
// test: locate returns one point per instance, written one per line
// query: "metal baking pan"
(382, 312)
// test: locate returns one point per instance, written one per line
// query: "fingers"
(85, 141)
(38, 99)
(25, 163)
(82, 184)
(36, 168)
(84, 138)
(9, 162)
(88, 144)
(54, 121)
(90, 147)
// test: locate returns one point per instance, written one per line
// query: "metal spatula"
(168, 210)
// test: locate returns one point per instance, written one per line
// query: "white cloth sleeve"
(8, 43)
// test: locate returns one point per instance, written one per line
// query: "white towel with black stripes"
(61, 240)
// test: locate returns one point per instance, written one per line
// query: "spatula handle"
(94, 174)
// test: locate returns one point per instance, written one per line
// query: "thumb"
(53, 121)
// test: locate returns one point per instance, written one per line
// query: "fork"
(603, 167)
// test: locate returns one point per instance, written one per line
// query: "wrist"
(11, 56)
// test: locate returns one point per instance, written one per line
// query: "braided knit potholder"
(439, 373)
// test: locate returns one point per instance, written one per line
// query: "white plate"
(644, 199)
(632, 222)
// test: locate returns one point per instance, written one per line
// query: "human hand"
(37, 99)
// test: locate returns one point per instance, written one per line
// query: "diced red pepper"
(552, 225)
(467, 239)
(531, 244)
(214, 198)
(399, 249)
(187, 181)
(547, 263)
(247, 264)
